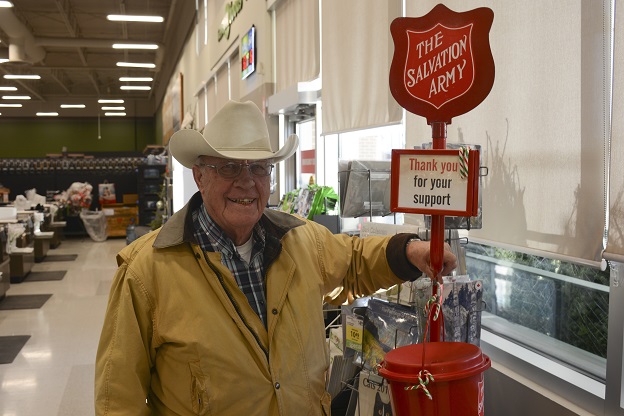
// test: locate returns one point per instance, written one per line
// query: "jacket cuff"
(397, 258)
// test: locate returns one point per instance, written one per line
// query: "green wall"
(38, 137)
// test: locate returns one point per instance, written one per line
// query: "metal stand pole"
(438, 130)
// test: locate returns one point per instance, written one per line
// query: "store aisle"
(53, 373)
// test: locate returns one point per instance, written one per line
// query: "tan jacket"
(180, 333)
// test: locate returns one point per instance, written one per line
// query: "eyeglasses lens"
(232, 170)
(229, 170)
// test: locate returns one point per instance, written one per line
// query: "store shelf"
(150, 182)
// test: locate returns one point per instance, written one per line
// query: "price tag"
(354, 329)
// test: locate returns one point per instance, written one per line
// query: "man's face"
(235, 204)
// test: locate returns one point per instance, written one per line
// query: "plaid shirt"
(250, 277)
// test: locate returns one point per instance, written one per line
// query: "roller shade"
(223, 86)
(357, 51)
(615, 242)
(297, 39)
(200, 116)
(543, 128)
(235, 82)
(211, 98)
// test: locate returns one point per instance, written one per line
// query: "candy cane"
(463, 161)
(424, 378)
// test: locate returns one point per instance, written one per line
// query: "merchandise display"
(151, 190)
(462, 304)
(388, 326)
(309, 202)
(365, 189)
(373, 395)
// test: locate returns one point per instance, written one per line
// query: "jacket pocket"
(326, 403)
(199, 393)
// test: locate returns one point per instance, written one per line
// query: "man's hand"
(419, 254)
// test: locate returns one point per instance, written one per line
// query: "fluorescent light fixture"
(131, 79)
(134, 65)
(105, 101)
(6, 4)
(135, 46)
(46, 114)
(134, 18)
(3, 60)
(73, 106)
(16, 97)
(11, 105)
(113, 108)
(135, 87)
(8, 88)
(115, 114)
(13, 76)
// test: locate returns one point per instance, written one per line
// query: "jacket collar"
(178, 229)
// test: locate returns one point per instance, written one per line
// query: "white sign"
(432, 182)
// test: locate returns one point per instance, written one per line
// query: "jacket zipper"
(236, 307)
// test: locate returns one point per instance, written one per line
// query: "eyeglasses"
(231, 170)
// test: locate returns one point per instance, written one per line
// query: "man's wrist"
(396, 254)
(410, 241)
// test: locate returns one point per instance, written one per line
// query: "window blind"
(200, 116)
(357, 51)
(235, 74)
(211, 98)
(297, 41)
(223, 86)
(543, 128)
(615, 241)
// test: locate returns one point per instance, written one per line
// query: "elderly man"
(220, 311)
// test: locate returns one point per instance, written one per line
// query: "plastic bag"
(95, 224)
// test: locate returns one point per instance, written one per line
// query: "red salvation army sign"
(435, 182)
(442, 64)
(447, 74)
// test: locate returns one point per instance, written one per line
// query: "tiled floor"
(53, 373)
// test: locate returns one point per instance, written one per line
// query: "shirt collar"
(218, 240)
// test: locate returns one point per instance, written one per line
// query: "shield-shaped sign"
(442, 65)
(447, 71)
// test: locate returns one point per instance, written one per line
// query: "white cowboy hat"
(237, 131)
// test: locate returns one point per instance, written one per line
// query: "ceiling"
(69, 44)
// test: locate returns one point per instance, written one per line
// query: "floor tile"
(53, 372)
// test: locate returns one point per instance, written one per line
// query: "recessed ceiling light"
(134, 18)
(135, 46)
(11, 105)
(16, 97)
(113, 108)
(105, 101)
(73, 106)
(131, 79)
(6, 4)
(135, 87)
(47, 114)
(14, 76)
(134, 65)
(8, 88)
(115, 114)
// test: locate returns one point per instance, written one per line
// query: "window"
(555, 307)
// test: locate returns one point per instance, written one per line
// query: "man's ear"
(197, 174)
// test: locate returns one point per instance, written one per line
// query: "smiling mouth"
(245, 201)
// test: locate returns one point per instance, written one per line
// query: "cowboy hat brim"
(187, 145)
